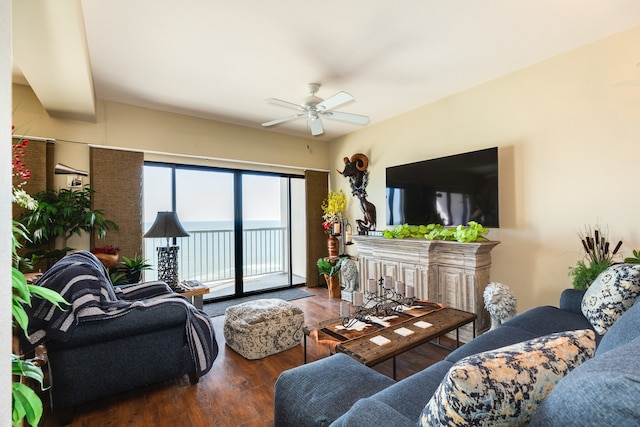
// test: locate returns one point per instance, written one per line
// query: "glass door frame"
(238, 221)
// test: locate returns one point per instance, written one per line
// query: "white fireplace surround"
(451, 273)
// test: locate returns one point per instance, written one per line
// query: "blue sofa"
(605, 390)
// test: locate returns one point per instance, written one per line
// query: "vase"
(333, 283)
(108, 260)
(333, 246)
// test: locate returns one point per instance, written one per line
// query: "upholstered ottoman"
(263, 327)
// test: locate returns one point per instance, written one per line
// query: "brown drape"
(116, 177)
(317, 188)
(35, 159)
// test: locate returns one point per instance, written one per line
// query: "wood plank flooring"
(236, 392)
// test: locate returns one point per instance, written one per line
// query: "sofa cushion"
(505, 386)
(601, 392)
(370, 412)
(626, 329)
(545, 320)
(411, 394)
(500, 337)
(610, 295)
(306, 395)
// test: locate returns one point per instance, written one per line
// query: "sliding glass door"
(205, 206)
(240, 223)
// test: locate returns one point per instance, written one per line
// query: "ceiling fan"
(313, 107)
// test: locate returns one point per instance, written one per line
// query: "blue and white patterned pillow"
(504, 387)
(610, 295)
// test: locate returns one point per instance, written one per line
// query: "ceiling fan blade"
(334, 101)
(347, 117)
(287, 104)
(316, 126)
(283, 119)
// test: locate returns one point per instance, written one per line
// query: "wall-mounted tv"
(450, 190)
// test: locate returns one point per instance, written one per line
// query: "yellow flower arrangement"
(333, 206)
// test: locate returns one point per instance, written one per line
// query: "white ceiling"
(220, 60)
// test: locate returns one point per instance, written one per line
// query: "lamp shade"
(166, 225)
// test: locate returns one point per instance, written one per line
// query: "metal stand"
(385, 302)
(168, 265)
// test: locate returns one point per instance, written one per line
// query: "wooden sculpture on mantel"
(355, 168)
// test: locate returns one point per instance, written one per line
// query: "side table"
(195, 291)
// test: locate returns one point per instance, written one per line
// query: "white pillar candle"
(410, 291)
(336, 228)
(373, 286)
(357, 299)
(388, 282)
(344, 309)
(400, 286)
(348, 236)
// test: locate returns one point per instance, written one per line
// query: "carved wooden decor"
(355, 168)
(451, 273)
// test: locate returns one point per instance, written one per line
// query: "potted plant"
(26, 373)
(472, 232)
(333, 208)
(330, 271)
(108, 255)
(60, 214)
(133, 268)
(597, 257)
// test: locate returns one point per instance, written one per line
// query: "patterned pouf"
(257, 329)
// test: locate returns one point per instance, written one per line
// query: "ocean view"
(207, 253)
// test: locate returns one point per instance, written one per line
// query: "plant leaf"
(26, 404)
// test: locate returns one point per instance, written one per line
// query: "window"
(240, 225)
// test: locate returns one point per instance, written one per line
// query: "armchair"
(110, 341)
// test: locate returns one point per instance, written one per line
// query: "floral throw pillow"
(504, 387)
(610, 295)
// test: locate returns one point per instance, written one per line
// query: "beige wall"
(163, 137)
(189, 139)
(568, 132)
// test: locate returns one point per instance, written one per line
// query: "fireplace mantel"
(451, 273)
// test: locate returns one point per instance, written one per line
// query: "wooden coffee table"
(359, 344)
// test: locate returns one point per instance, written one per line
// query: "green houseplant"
(598, 256)
(26, 403)
(472, 232)
(132, 268)
(61, 214)
(26, 373)
(330, 271)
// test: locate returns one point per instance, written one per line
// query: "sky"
(208, 195)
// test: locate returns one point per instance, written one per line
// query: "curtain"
(35, 159)
(316, 190)
(116, 177)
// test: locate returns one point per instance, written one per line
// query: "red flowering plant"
(328, 227)
(19, 168)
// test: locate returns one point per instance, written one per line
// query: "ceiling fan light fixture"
(311, 101)
(314, 107)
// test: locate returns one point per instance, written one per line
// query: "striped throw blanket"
(83, 281)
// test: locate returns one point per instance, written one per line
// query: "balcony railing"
(208, 256)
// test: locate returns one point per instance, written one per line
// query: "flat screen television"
(450, 190)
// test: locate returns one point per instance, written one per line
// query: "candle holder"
(382, 300)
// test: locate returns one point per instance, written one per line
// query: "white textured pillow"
(610, 295)
(504, 387)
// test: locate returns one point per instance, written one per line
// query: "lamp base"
(168, 265)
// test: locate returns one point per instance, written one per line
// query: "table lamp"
(167, 225)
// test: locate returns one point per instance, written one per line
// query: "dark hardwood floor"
(236, 392)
